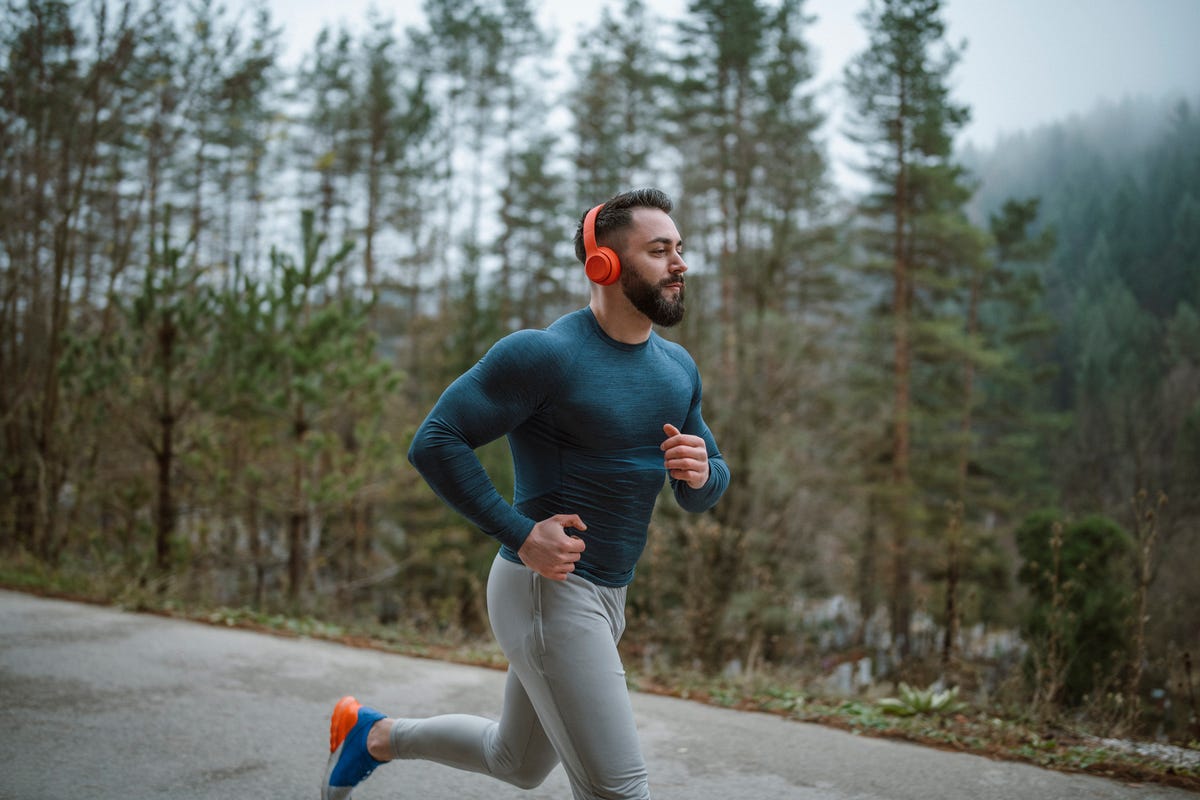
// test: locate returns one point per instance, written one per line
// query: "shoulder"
(675, 352)
(544, 353)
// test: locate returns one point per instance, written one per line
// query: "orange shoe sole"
(345, 715)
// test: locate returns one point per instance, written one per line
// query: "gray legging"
(565, 698)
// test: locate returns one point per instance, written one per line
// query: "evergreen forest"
(961, 409)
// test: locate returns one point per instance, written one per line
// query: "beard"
(649, 299)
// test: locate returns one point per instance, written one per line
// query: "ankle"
(379, 740)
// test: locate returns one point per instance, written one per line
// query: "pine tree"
(326, 144)
(167, 324)
(63, 91)
(324, 374)
(903, 116)
(531, 240)
(752, 191)
(395, 119)
(616, 102)
(526, 161)
(237, 465)
(465, 42)
(248, 107)
(760, 295)
(1001, 410)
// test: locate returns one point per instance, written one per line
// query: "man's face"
(652, 266)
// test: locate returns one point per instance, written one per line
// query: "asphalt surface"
(97, 703)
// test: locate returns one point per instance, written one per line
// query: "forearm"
(704, 498)
(451, 468)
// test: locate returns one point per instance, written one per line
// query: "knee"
(528, 771)
(525, 776)
(526, 781)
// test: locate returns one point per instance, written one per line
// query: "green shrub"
(1079, 600)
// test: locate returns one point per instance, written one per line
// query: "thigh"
(585, 683)
(561, 641)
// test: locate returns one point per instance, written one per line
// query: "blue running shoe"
(349, 762)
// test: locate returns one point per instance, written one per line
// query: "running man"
(598, 410)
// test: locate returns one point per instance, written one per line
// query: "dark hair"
(618, 214)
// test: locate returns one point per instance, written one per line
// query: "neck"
(617, 316)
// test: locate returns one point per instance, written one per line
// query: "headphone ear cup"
(601, 263)
(603, 266)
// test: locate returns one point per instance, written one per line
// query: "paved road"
(97, 704)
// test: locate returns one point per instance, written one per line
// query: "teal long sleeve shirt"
(584, 418)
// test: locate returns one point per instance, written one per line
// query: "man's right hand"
(549, 550)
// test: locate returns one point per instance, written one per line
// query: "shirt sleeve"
(704, 498)
(492, 398)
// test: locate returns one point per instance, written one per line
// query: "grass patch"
(965, 730)
(20, 572)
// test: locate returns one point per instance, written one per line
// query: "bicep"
(492, 398)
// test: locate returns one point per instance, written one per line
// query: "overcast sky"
(1027, 63)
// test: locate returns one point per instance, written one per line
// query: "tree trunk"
(950, 640)
(954, 526)
(901, 600)
(165, 510)
(165, 517)
(867, 595)
(298, 516)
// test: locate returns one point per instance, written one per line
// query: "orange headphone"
(601, 263)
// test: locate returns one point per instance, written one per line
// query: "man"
(598, 409)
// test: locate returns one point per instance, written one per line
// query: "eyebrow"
(665, 240)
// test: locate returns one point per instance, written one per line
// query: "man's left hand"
(685, 457)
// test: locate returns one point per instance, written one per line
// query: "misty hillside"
(1125, 177)
(1120, 190)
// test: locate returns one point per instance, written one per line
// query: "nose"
(678, 265)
